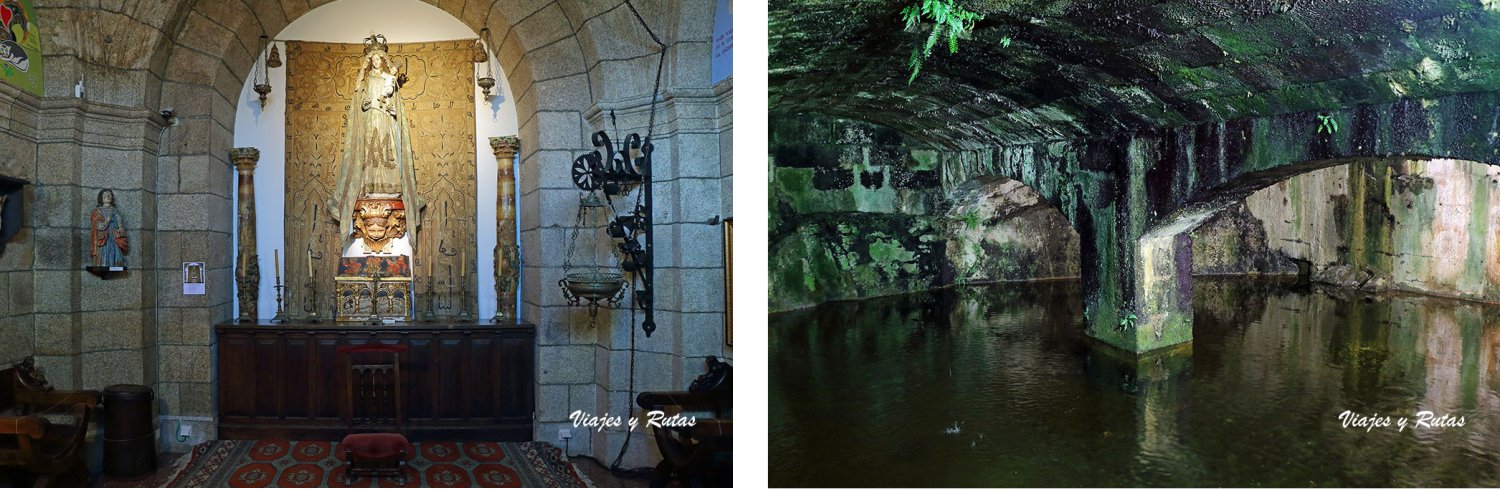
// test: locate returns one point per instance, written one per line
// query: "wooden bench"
(701, 454)
(42, 429)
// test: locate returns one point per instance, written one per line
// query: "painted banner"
(20, 46)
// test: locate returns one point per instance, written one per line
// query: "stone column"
(507, 255)
(247, 264)
(1136, 274)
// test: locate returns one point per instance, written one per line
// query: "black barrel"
(129, 437)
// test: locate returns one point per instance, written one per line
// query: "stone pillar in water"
(507, 255)
(1136, 274)
(247, 264)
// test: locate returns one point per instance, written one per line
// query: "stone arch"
(1164, 277)
(197, 59)
(1001, 230)
(1134, 197)
(551, 54)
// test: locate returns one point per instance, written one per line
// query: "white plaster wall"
(350, 21)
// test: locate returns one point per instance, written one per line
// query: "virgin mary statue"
(377, 158)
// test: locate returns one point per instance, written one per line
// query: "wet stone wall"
(856, 211)
(1000, 230)
(1426, 226)
(853, 213)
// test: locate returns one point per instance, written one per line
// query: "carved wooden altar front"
(461, 380)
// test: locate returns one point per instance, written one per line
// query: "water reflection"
(997, 385)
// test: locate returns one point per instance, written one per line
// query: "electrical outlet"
(564, 434)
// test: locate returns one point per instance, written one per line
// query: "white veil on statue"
(378, 158)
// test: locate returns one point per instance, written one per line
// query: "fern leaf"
(932, 38)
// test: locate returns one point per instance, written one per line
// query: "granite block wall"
(18, 119)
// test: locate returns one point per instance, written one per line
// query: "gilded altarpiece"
(439, 104)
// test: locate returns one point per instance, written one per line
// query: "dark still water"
(868, 393)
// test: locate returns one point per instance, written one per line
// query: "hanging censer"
(593, 285)
(262, 79)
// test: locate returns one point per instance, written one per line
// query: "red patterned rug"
(282, 463)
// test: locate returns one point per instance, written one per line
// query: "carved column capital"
(244, 158)
(505, 147)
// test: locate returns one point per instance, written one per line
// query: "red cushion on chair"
(373, 349)
(376, 446)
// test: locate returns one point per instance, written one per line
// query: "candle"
(463, 263)
(309, 265)
(276, 260)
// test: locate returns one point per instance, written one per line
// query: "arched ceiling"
(1076, 68)
(210, 42)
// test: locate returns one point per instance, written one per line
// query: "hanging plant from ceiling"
(949, 20)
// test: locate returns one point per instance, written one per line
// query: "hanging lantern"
(480, 55)
(262, 89)
(484, 70)
(486, 83)
(262, 84)
(274, 61)
(594, 284)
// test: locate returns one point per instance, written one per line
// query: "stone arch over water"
(1000, 230)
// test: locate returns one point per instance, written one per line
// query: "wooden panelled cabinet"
(461, 381)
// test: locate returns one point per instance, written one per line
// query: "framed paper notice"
(192, 278)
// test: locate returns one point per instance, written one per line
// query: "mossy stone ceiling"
(1080, 68)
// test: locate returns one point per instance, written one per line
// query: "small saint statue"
(107, 244)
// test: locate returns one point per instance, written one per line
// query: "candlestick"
(431, 314)
(280, 312)
(310, 304)
(276, 263)
(463, 300)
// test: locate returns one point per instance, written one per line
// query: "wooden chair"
(43, 430)
(700, 454)
(373, 401)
